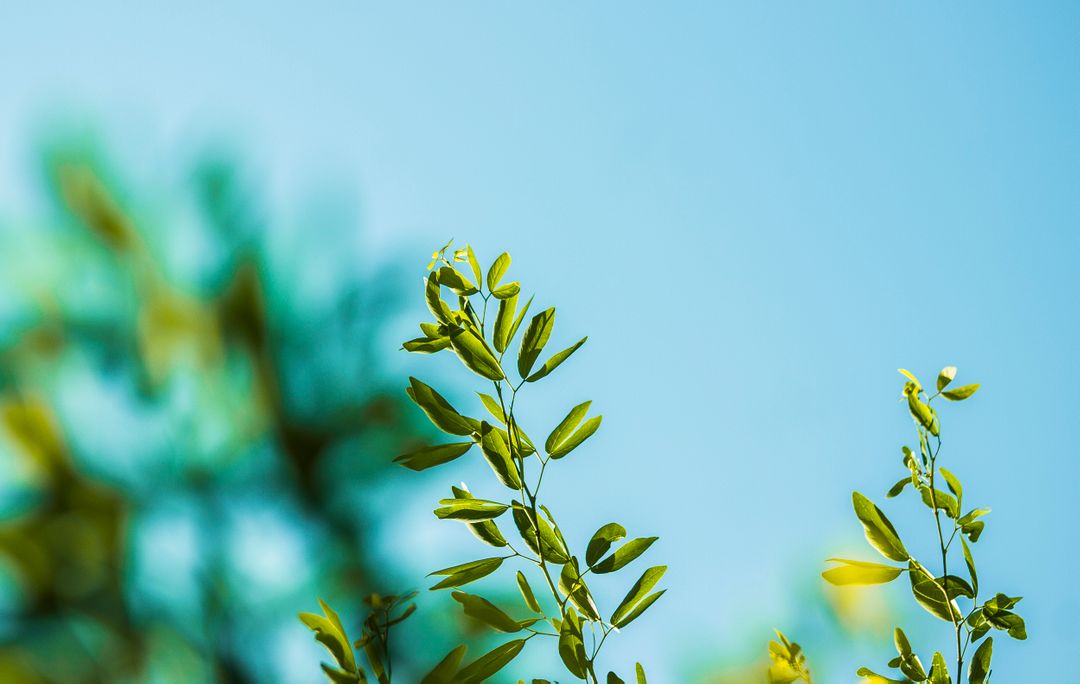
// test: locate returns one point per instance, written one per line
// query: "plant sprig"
(939, 594)
(569, 614)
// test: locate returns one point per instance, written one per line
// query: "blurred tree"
(183, 448)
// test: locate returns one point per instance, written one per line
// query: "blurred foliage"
(186, 440)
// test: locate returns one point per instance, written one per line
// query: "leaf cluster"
(940, 594)
(510, 516)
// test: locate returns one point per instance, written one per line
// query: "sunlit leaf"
(979, 669)
(637, 595)
(441, 413)
(459, 575)
(527, 593)
(430, 456)
(444, 672)
(554, 362)
(960, 393)
(496, 451)
(879, 531)
(536, 336)
(602, 540)
(483, 610)
(474, 353)
(945, 377)
(469, 509)
(497, 271)
(860, 573)
(491, 662)
(500, 336)
(624, 555)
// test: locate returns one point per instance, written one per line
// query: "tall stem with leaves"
(938, 594)
(568, 615)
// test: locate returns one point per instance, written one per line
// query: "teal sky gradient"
(757, 213)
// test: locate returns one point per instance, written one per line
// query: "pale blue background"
(757, 213)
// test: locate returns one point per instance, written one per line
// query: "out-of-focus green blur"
(184, 443)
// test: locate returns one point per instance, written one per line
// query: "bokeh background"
(213, 221)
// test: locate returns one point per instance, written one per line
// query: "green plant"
(571, 615)
(939, 594)
(788, 662)
(383, 613)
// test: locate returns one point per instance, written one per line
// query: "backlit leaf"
(960, 393)
(430, 456)
(536, 336)
(556, 360)
(860, 573)
(879, 531)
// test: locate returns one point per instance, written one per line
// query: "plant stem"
(944, 553)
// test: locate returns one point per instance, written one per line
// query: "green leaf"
(457, 282)
(340, 676)
(624, 555)
(997, 613)
(639, 609)
(527, 593)
(640, 672)
(430, 456)
(970, 566)
(945, 377)
(572, 442)
(444, 672)
(506, 291)
(500, 337)
(497, 271)
(898, 487)
(556, 360)
(939, 672)
(536, 336)
(330, 633)
(474, 264)
(601, 541)
(493, 407)
(979, 669)
(435, 303)
(973, 530)
(469, 509)
(571, 646)
(474, 353)
(954, 484)
(613, 678)
(438, 410)
(972, 515)
(879, 531)
(517, 322)
(465, 573)
(874, 678)
(961, 393)
(544, 543)
(426, 345)
(860, 573)
(931, 596)
(490, 663)
(483, 610)
(497, 453)
(910, 377)
(944, 501)
(488, 532)
(572, 585)
(563, 430)
(638, 598)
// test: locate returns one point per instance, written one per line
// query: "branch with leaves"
(568, 614)
(939, 593)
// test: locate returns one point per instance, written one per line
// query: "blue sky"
(757, 214)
